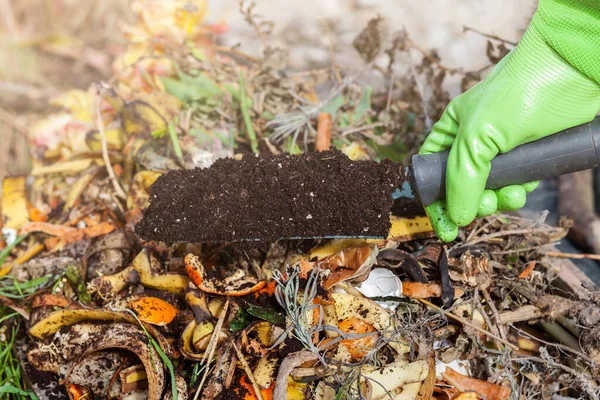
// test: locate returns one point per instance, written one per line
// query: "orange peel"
(358, 347)
(153, 310)
(196, 272)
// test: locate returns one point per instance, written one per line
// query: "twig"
(246, 367)
(487, 319)
(525, 313)
(362, 128)
(111, 173)
(175, 141)
(433, 60)
(513, 251)
(512, 232)
(560, 334)
(246, 115)
(223, 49)
(335, 71)
(492, 306)
(212, 346)
(480, 229)
(571, 255)
(487, 35)
(424, 102)
(470, 325)
(451, 381)
(589, 387)
(557, 345)
(9, 16)
(388, 104)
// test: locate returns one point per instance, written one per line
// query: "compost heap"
(92, 311)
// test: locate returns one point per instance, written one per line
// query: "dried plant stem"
(490, 302)
(525, 313)
(488, 321)
(470, 325)
(557, 345)
(111, 173)
(424, 101)
(212, 346)
(246, 367)
(561, 335)
(244, 107)
(451, 381)
(571, 255)
(590, 387)
(175, 141)
(363, 128)
(487, 35)
(511, 232)
(433, 60)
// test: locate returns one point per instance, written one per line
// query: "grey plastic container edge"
(571, 150)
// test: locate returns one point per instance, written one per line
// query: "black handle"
(571, 150)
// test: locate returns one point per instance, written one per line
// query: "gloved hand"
(532, 93)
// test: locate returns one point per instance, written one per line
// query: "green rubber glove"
(532, 93)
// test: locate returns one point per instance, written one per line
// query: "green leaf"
(198, 54)
(245, 109)
(6, 251)
(78, 284)
(241, 320)
(293, 150)
(334, 105)
(412, 117)
(7, 388)
(266, 314)
(396, 151)
(365, 103)
(268, 116)
(175, 140)
(20, 290)
(165, 359)
(189, 88)
(339, 143)
(160, 133)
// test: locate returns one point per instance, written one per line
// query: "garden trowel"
(421, 184)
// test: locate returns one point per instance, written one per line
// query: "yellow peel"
(53, 322)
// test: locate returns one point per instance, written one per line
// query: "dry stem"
(246, 367)
(470, 325)
(492, 306)
(487, 35)
(212, 346)
(111, 173)
(571, 255)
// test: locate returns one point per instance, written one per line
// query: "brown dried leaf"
(370, 40)
(495, 53)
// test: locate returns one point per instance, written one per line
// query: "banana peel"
(402, 230)
(14, 202)
(151, 113)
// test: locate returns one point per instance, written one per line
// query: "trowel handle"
(571, 150)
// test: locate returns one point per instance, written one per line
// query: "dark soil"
(322, 194)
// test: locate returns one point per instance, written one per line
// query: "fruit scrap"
(487, 389)
(237, 285)
(153, 310)
(77, 392)
(360, 346)
(417, 290)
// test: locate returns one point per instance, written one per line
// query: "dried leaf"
(369, 41)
